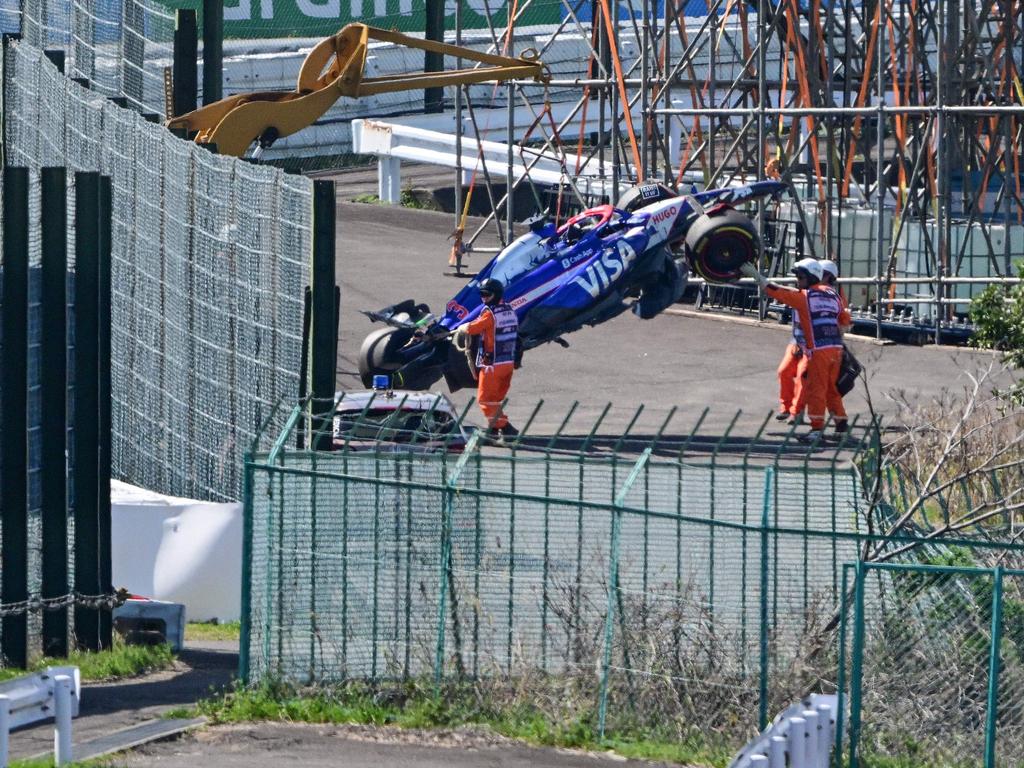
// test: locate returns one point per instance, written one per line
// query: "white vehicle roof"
(409, 400)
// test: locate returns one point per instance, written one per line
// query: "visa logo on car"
(606, 270)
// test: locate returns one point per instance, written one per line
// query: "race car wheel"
(720, 242)
(378, 355)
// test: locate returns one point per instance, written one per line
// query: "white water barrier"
(178, 550)
(799, 737)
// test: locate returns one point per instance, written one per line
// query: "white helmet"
(829, 267)
(811, 266)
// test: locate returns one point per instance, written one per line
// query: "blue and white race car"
(595, 266)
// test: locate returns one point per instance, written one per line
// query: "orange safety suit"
(793, 369)
(820, 310)
(498, 330)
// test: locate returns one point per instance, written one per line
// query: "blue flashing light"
(381, 381)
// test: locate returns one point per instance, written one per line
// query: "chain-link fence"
(210, 260)
(662, 588)
(701, 590)
(936, 660)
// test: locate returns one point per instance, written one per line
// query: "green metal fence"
(700, 586)
(936, 664)
(378, 564)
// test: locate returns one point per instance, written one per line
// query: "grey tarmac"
(388, 253)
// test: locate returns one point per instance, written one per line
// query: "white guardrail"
(55, 692)
(393, 142)
(800, 737)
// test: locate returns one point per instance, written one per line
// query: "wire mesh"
(210, 259)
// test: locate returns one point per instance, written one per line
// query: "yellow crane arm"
(334, 68)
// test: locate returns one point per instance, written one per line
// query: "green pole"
(185, 80)
(105, 416)
(993, 668)
(323, 338)
(858, 662)
(609, 621)
(53, 385)
(14, 435)
(450, 488)
(433, 98)
(247, 513)
(87, 406)
(769, 482)
(613, 583)
(213, 50)
(841, 687)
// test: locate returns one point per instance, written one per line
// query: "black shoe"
(842, 426)
(509, 431)
(782, 416)
(492, 432)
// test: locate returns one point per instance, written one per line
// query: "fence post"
(433, 98)
(613, 584)
(762, 714)
(857, 673)
(185, 80)
(213, 50)
(246, 629)
(14, 435)
(53, 386)
(87, 394)
(105, 426)
(324, 331)
(450, 488)
(993, 668)
(841, 687)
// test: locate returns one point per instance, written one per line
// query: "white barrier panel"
(178, 550)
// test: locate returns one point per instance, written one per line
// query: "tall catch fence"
(210, 258)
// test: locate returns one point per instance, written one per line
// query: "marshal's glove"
(750, 270)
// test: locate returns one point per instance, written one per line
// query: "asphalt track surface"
(388, 253)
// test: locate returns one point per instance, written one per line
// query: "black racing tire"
(719, 243)
(377, 353)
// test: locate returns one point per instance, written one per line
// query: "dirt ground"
(316, 746)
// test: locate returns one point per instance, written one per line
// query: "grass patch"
(121, 661)
(367, 197)
(414, 706)
(212, 630)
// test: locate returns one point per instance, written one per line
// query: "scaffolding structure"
(908, 111)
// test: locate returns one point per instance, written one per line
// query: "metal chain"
(39, 604)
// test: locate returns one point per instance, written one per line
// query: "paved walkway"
(108, 707)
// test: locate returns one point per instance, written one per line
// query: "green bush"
(999, 324)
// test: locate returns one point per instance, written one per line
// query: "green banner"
(247, 19)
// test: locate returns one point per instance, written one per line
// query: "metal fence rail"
(655, 572)
(210, 260)
(688, 589)
(936, 661)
